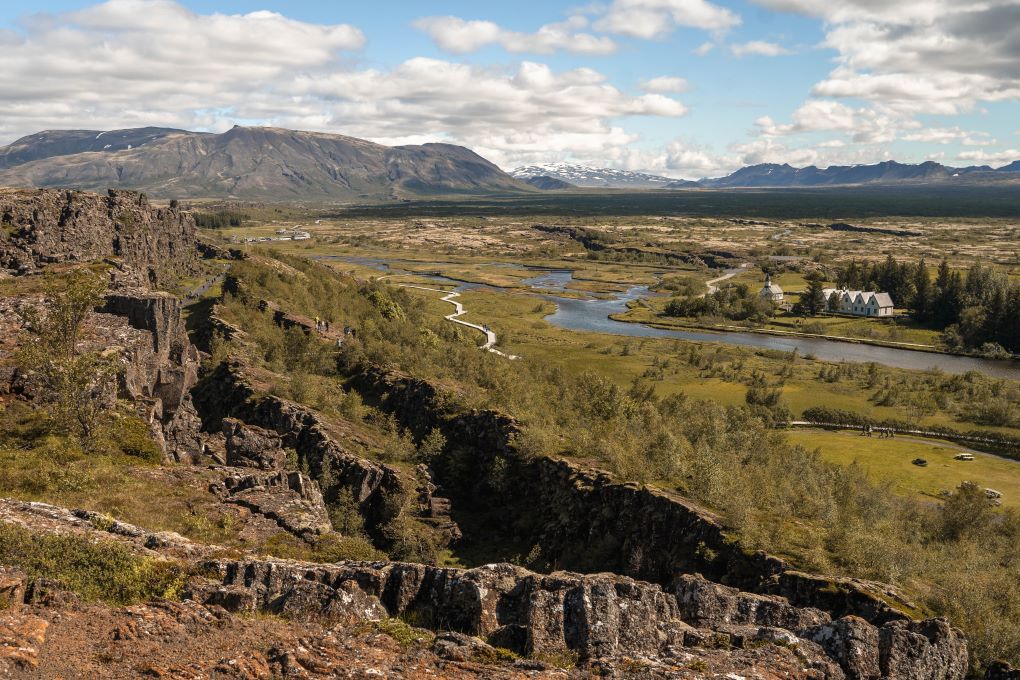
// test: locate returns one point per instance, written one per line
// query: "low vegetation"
(104, 570)
(958, 558)
(76, 384)
(735, 303)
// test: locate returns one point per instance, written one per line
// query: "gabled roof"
(883, 299)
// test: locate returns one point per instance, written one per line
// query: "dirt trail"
(730, 273)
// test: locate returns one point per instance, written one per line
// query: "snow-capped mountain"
(584, 176)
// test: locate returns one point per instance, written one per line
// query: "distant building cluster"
(840, 300)
(294, 234)
(858, 302)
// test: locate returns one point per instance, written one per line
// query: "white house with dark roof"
(771, 291)
(858, 302)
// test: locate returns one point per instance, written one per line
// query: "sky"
(683, 88)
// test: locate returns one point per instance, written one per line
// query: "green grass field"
(889, 460)
(517, 319)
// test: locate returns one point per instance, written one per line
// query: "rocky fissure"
(583, 519)
(160, 369)
(592, 617)
(260, 427)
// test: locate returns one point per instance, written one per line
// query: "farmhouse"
(771, 291)
(858, 302)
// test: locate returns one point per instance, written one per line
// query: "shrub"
(95, 570)
(76, 385)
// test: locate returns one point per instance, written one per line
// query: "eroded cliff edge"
(651, 577)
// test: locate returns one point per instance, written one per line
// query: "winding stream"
(592, 315)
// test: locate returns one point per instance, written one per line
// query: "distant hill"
(247, 162)
(584, 176)
(889, 172)
(772, 175)
(547, 183)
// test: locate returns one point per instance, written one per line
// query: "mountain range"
(888, 172)
(771, 175)
(264, 163)
(593, 178)
(247, 162)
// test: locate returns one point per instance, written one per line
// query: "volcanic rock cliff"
(40, 227)
(612, 625)
(142, 247)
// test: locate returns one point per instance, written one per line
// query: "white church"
(771, 291)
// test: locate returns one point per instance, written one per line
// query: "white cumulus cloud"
(460, 36)
(758, 48)
(919, 56)
(656, 18)
(127, 63)
(665, 84)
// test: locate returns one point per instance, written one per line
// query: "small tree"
(431, 447)
(73, 383)
(813, 302)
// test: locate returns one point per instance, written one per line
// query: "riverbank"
(891, 344)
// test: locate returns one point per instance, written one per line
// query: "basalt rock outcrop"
(594, 616)
(143, 246)
(289, 498)
(157, 366)
(260, 427)
(40, 227)
(160, 368)
(583, 519)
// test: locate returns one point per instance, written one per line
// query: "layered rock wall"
(379, 490)
(593, 616)
(583, 519)
(40, 227)
(161, 370)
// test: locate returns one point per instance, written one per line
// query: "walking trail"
(490, 337)
(730, 273)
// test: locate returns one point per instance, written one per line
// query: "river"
(592, 315)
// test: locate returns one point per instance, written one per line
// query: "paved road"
(920, 436)
(490, 337)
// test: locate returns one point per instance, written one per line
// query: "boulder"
(289, 498)
(250, 446)
(916, 650)
(464, 648)
(345, 604)
(13, 583)
(853, 643)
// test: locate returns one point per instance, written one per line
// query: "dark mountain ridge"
(247, 162)
(887, 172)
